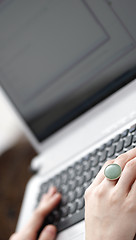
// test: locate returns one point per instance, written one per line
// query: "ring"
(112, 171)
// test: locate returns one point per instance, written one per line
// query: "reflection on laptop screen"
(59, 58)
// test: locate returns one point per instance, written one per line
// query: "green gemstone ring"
(112, 171)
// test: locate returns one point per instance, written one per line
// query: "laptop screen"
(59, 58)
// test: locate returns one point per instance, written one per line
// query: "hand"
(110, 206)
(48, 202)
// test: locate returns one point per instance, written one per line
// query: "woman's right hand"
(110, 206)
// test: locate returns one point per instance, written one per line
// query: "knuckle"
(131, 164)
(130, 205)
(122, 157)
(99, 192)
(87, 193)
(109, 162)
(114, 198)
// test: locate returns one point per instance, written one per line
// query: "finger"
(127, 178)
(132, 193)
(48, 233)
(100, 176)
(125, 157)
(42, 211)
(121, 160)
(13, 237)
(47, 204)
(52, 190)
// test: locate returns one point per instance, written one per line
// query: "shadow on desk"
(14, 174)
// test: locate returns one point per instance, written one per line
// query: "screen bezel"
(99, 96)
(111, 88)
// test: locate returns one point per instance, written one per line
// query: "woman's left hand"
(48, 202)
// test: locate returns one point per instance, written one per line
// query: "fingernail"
(57, 195)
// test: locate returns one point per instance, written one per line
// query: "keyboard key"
(56, 214)
(134, 138)
(72, 207)
(57, 181)
(79, 192)
(71, 173)
(80, 203)
(72, 184)
(80, 180)
(88, 175)
(102, 147)
(95, 161)
(78, 168)
(96, 170)
(71, 196)
(117, 138)
(133, 128)
(44, 187)
(111, 151)
(64, 211)
(119, 153)
(64, 177)
(130, 147)
(64, 200)
(119, 146)
(94, 152)
(103, 156)
(64, 189)
(128, 141)
(109, 143)
(87, 184)
(125, 133)
(86, 158)
(86, 165)
(50, 183)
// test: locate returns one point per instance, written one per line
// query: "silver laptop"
(68, 69)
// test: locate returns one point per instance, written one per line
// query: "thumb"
(47, 204)
(48, 233)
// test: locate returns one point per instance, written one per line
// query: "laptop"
(68, 70)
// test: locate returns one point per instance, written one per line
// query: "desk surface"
(14, 174)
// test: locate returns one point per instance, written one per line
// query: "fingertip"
(57, 196)
(51, 229)
(52, 190)
(48, 233)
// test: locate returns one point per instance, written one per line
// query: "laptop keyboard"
(73, 181)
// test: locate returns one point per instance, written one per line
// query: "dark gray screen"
(58, 58)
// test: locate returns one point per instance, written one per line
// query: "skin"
(110, 206)
(48, 202)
